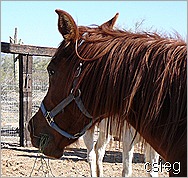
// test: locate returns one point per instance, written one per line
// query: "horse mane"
(139, 77)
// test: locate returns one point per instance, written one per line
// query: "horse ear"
(67, 26)
(111, 22)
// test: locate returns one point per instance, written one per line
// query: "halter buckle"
(77, 135)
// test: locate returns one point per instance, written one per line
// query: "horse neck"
(138, 81)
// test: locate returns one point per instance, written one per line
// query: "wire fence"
(10, 93)
(39, 81)
(9, 98)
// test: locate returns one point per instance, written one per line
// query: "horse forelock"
(140, 77)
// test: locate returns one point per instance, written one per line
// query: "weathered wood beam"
(27, 49)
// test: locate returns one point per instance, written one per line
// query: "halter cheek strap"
(49, 115)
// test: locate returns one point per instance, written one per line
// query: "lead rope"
(45, 165)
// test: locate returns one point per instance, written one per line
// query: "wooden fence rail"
(27, 49)
(25, 81)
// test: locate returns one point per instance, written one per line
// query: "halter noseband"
(49, 115)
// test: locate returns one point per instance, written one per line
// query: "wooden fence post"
(25, 82)
(21, 116)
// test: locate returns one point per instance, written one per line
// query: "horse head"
(62, 117)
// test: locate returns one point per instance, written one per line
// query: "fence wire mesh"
(39, 81)
(9, 98)
(10, 93)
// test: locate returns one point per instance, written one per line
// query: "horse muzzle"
(44, 142)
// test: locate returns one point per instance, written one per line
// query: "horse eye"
(51, 72)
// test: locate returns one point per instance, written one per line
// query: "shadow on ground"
(73, 154)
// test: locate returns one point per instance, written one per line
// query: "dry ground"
(25, 161)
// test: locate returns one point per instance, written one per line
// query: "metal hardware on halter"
(49, 118)
(79, 92)
(79, 69)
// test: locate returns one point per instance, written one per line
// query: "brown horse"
(100, 72)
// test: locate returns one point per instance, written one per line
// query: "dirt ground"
(27, 162)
